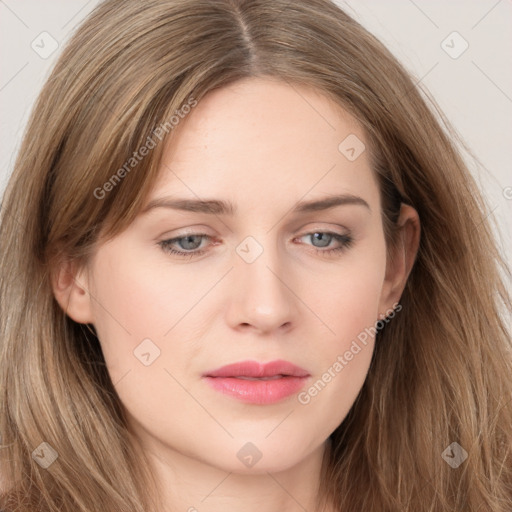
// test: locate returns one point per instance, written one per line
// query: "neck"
(191, 484)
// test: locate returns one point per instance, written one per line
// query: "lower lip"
(257, 391)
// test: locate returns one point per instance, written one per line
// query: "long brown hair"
(441, 370)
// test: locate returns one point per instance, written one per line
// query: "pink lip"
(286, 380)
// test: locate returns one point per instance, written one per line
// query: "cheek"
(350, 309)
(132, 312)
(349, 298)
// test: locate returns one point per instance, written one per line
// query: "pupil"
(321, 237)
(189, 239)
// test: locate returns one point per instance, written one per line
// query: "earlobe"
(70, 288)
(399, 266)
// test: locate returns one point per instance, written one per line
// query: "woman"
(243, 265)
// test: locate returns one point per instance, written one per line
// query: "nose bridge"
(261, 296)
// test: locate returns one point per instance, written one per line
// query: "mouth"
(256, 370)
(258, 383)
(274, 377)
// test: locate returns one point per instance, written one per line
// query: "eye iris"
(187, 239)
(324, 238)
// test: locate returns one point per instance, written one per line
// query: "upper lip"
(256, 369)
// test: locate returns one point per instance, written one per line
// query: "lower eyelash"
(167, 247)
(345, 240)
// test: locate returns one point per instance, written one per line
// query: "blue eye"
(188, 242)
(326, 238)
(191, 243)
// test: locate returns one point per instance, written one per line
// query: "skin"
(264, 146)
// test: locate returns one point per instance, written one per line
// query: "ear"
(70, 286)
(401, 260)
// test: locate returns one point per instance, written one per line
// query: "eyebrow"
(219, 207)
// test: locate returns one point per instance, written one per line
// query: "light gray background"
(474, 89)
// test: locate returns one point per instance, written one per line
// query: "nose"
(262, 297)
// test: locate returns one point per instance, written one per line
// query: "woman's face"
(272, 280)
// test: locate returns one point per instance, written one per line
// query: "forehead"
(266, 141)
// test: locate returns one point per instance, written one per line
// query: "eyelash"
(345, 240)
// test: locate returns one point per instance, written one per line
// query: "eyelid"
(304, 232)
(344, 240)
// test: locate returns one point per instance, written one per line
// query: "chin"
(262, 456)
